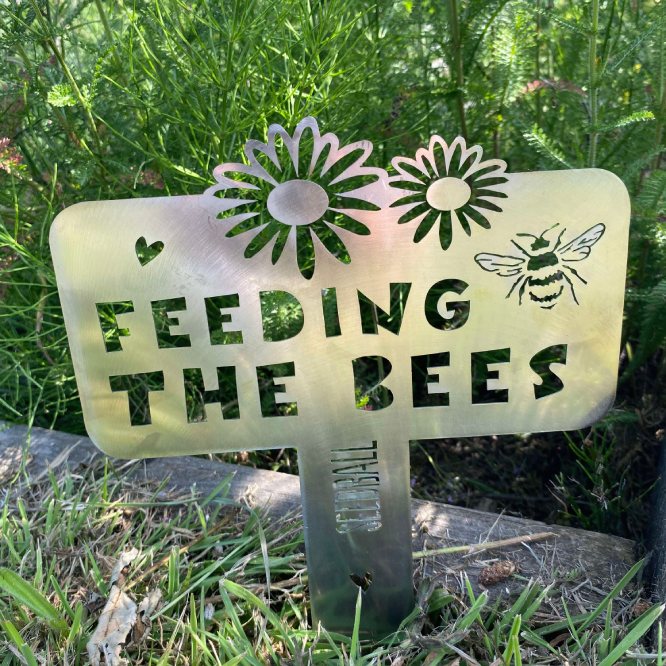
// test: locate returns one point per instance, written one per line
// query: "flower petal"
(280, 242)
(234, 207)
(414, 212)
(426, 225)
(488, 205)
(468, 162)
(489, 192)
(305, 255)
(347, 161)
(264, 156)
(352, 183)
(344, 221)
(438, 151)
(475, 216)
(487, 181)
(236, 175)
(463, 222)
(415, 197)
(331, 241)
(262, 239)
(249, 221)
(410, 170)
(445, 230)
(360, 203)
(409, 185)
(491, 168)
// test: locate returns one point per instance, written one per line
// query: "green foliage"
(131, 101)
(106, 100)
(235, 591)
(652, 335)
(61, 94)
(26, 594)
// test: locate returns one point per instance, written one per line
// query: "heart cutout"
(146, 253)
(363, 581)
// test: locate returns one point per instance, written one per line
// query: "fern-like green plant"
(652, 334)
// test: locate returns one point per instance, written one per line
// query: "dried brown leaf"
(147, 607)
(115, 623)
(122, 566)
(640, 607)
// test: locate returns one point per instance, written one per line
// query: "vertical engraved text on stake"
(356, 486)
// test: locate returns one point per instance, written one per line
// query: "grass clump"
(234, 589)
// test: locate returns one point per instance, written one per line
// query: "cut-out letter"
(481, 374)
(369, 373)
(281, 315)
(107, 314)
(373, 316)
(540, 363)
(269, 388)
(356, 487)
(198, 398)
(164, 318)
(457, 312)
(138, 387)
(422, 379)
(329, 304)
(217, 319)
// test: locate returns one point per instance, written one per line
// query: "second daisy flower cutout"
(448, 184)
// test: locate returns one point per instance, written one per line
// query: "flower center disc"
(448, 193)
(297, 202)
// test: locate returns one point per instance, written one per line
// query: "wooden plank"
(589, 562)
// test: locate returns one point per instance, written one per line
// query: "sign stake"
(356, 508)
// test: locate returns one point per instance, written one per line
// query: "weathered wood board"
(587, 561)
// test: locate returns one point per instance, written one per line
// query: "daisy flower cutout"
(448, 185)
(297, 192)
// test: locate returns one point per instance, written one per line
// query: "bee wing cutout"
(504, 266)
(579, 248)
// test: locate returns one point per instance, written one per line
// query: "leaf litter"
(121, 617)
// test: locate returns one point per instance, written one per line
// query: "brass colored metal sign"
(472, 300)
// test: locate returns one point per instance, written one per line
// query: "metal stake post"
(358, 537)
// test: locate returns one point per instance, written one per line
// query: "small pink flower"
(152, 178)
(10, 158)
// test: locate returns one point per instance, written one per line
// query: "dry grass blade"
(487, 545)
(123, 563)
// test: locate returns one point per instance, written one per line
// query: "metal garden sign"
(473, 300)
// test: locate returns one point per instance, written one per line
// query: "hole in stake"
(364, 581)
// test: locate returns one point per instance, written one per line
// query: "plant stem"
(50, 42)
(593, 92)
(488, 545)
(456, 45)
(661, 90)
(537, 64)
(105, 21)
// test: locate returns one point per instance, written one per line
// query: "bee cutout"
(545, 270)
